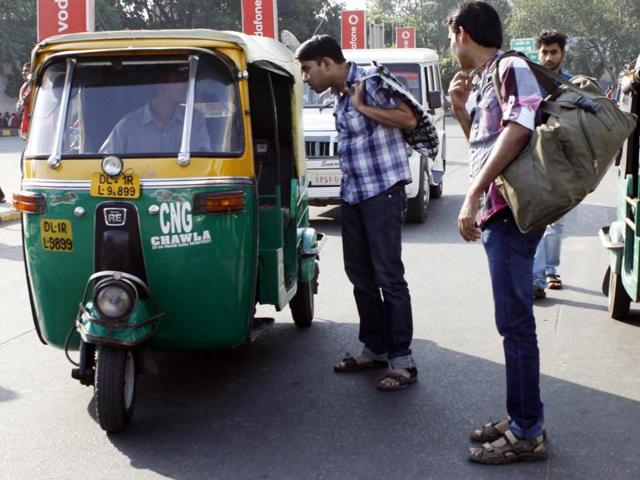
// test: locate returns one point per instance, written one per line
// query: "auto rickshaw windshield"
(137, 107)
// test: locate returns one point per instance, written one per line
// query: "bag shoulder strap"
(547, 78)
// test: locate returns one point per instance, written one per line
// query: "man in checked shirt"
(375, 169)
(497, 131)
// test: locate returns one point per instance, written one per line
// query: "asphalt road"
(275, 410)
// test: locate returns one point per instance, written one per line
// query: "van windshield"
(409, 75)
(136, 106)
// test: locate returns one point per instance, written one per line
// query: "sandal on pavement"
(349, 364)
(489, 432)
(554, 282)
(400, 382)
(509, 449)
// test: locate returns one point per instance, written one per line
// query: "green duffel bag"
(568, 154)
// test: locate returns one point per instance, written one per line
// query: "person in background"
(497, 131)
(551, 46)
(22, 107)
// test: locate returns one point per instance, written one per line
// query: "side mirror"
(435, 99)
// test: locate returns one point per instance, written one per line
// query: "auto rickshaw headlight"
(114, 299)
(112, 165)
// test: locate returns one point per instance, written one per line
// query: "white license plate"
(325, 178)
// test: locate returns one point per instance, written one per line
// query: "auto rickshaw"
(622, 237)
(164, 194)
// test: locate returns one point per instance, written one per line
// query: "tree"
(17, 37)
(302, 17)
(602, 33)
(427, 16)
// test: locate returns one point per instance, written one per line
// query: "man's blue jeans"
(547, 256)
(372, 247)
(510, 254)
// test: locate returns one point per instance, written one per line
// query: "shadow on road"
(276, 410)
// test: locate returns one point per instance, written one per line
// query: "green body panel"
(272, 285)
(629, 266)
(204, 283)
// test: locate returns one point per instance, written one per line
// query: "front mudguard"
(612, 238)
(136, 328)
(310, 245)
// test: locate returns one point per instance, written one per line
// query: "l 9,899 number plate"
(122, 186)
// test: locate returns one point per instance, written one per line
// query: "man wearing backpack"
(551, 53)
(497, 131)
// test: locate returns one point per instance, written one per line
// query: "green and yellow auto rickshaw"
(622, 237)
(164, 195)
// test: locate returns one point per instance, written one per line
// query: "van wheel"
(418, 207)
(114, 388)
(437, 190)
(619, 300)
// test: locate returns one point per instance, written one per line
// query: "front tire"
(302, 304)
(115, 388)
(619, 300)
(418, 207)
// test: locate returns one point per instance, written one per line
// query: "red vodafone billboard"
(260, 17)
(405, 37)
(354, 29)
(56, 17)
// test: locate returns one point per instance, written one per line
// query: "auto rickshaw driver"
(157, 126)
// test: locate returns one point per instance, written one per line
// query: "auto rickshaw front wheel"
(115, 387)
(619, 300)
(302, 305)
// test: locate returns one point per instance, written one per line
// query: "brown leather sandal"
(508, 449)
(400, 381)
(489, 432)
(349, 364)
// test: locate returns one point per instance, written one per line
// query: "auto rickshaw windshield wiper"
(55, 158)
(184, 157)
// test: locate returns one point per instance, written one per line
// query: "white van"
(419, 68)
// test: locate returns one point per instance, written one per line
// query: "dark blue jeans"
(510, 255)
(372, 247)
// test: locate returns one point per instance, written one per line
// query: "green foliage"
(448, 68)
(427, 16)
(17, 38)
(603, 34)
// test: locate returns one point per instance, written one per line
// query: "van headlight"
(114, 299)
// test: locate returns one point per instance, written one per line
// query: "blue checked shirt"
(373, 157)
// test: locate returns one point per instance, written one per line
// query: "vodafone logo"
(63, 14)
(353, 25)
(406, 37)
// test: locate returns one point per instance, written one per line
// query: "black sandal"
(402, 382)
(349, 364)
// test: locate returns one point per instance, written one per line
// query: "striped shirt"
(521, 98)
(373, 157)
